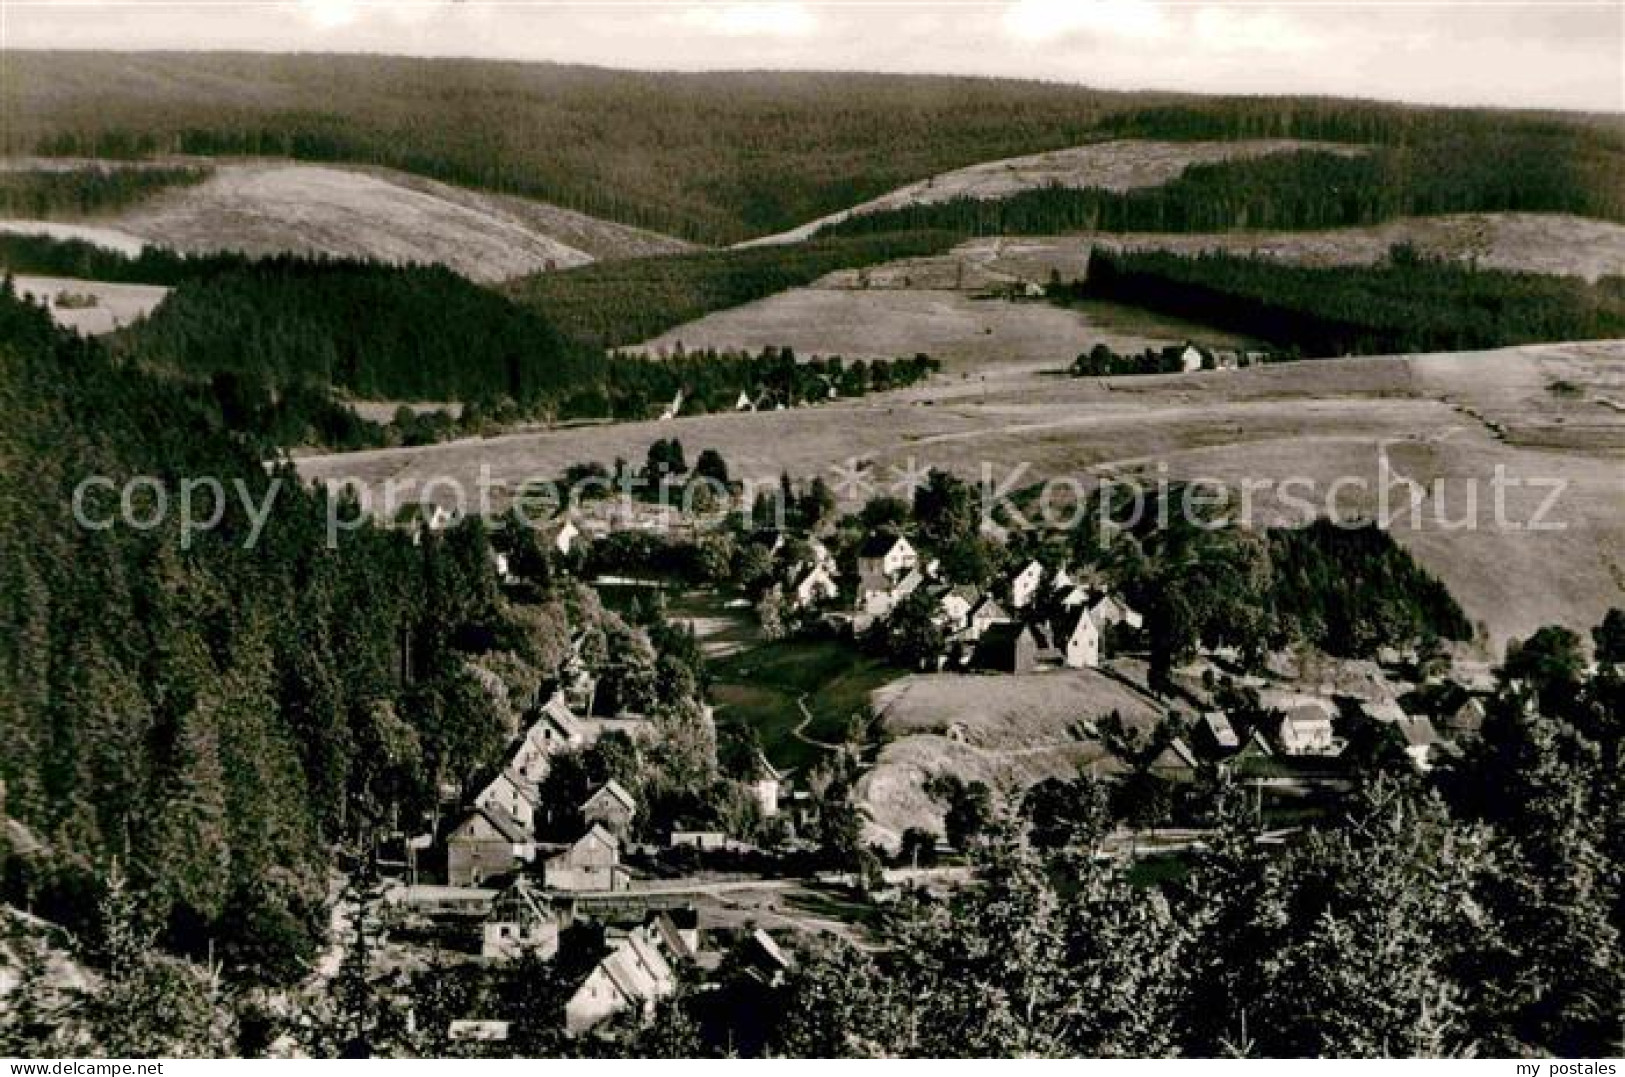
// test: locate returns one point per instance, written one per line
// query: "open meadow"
(1540, 417)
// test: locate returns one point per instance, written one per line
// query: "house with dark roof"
(1006, 648)
(1175, 763)
(887, 555)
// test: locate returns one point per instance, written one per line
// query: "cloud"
(768, 18)
(330, 14)
(1036, 21)
(1237, 30)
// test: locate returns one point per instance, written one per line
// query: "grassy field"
(967, 334)
(762, 686)
(1007, 731)
(1443, 417)
(115, 305)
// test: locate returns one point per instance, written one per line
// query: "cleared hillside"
(1117, 165)
(282, 207)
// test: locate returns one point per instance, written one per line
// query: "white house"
(887, 555)
(635, 976)
(1024, 587)
(954, 606)
(1306, 729)
(507, 794)
(744, 402)
(1082, 642)
(521, 922)
(815, 586)
(764, 786)
(1190, 359)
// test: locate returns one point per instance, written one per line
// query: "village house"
(1190, 360)
(1218, 732)
(1006, 648)
(555, 727)
(983, 616)
(1024, 585)
(487, 844)
(633, 977)
(1081, 642)
(1175, 763)
(765, 784)
(612, 807)
(512, 798)
(887, 555)
(1306, 729)
(697, 839)
(1467, 720)
(763, 959)
(815, 587)
(954, 605)
(1421, 740)
(521, 922)
(592, 863)
(471, 1030)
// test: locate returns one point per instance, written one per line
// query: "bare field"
(1119, 165)
(1007, 731)
(275, 207)
(115, 304)
(966, 333)
(1449, 417)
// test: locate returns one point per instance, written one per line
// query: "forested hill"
(412, 333)
(212, 713)
(714, 157)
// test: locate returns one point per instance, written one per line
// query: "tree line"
(53, 193)
(615, 304)
(1407, 302)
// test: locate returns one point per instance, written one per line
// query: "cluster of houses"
(1048, 618)
(545, 888)
(497, 832)
(633, 963)
(1303, 728)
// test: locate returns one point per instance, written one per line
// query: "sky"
(1534, 53)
